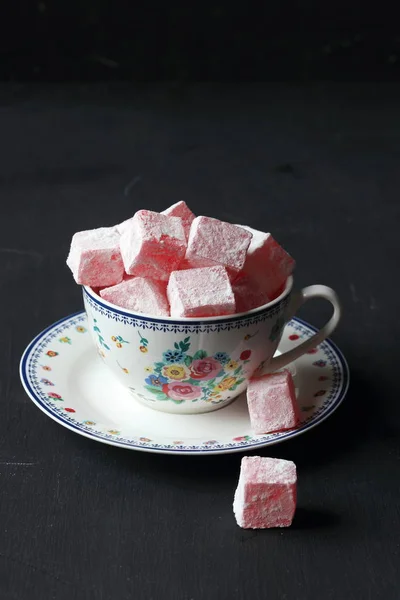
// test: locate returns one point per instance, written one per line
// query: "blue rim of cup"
(274, 304)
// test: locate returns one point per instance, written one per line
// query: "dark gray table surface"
(318, 166)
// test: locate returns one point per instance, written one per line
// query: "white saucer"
(65, 378)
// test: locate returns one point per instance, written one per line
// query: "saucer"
(63, 375)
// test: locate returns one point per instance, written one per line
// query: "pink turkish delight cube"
(248, 294)
(139, 295)
(213, 242)
(122, 227)
(152, 245)
(272, 402)
(266, 493)
(181, 210)
(95, 258)
(201, 292)
(267, 262)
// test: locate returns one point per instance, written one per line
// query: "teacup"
(191, 365)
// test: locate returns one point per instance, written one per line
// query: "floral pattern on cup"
(143, 343)
(182, 377)
(124, 369)
(100, 338)
(118, 340)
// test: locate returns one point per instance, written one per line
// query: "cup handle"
(299, 298)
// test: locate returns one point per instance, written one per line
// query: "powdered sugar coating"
(267, 262)
(248, 294)
(140, 295)
(266, 493)
(95, 258)
(272, 403)
(213, 242)
(180, 209)
(268, 470)
(152, 245)
(201, 292)
(122, 227)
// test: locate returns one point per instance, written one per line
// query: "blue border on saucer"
(197, 451)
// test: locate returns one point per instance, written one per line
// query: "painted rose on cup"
(182, 377)
(205, 368)
(179, 392)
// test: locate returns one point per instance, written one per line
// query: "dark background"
(85, 141)
(70, 40)
(318, 166)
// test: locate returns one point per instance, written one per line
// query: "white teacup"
(193, 365)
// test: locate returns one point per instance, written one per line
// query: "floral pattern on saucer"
(326, 367)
